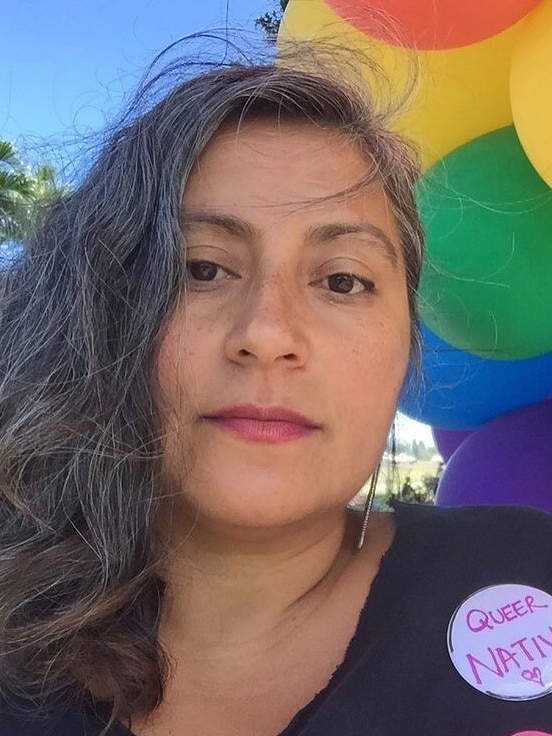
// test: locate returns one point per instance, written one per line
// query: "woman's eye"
(205, 271)
(348, 283)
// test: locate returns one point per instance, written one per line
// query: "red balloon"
(432, 24)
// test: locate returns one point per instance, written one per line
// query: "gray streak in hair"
(80, 439)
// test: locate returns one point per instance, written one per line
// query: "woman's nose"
(268, 328)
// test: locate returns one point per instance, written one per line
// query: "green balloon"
(487, 282)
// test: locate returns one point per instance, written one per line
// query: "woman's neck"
(237, 585)
(262, 623)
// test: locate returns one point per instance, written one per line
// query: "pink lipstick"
(270, 424)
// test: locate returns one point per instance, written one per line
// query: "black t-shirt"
(398, 678)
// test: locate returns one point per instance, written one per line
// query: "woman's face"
(280, 369)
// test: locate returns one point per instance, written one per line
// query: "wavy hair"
(80, 437)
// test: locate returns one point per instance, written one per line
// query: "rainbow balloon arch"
(482, 121)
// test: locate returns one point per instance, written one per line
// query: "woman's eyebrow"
(376, 236)
(238, 228)
(234, 226)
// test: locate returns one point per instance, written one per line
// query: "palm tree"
(23, 194)
(16, 193)
(46, 186)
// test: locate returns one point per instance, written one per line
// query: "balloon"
(458, 390)
(447, 441)
(486, 284)
(530, 76)
(432, 24)
(461, 94)
(507, 461)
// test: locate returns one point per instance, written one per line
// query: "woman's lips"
(263, 424)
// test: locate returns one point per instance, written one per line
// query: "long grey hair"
(81, 592)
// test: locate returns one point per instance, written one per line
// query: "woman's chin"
(263, 512)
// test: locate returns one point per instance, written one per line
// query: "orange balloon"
(432, 24)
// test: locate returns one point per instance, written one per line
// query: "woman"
(201, 356)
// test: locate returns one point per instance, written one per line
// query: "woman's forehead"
(275, 162)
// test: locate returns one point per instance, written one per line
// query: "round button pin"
(500, 641)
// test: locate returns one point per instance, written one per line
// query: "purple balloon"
(447, 441)
(506, 461)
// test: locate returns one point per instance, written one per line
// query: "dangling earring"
(368, 505)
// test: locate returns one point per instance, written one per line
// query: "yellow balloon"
(462, 92)
(531, 88)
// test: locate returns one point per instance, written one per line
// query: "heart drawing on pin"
(534, 675)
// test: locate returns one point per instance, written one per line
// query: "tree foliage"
(16, 191)
(270, 21)
(23, 192)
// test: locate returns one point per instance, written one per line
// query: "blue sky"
(65, 63)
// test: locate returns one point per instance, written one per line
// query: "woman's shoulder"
(485, 543)
(20, 717)
(459, 589)
(497, 521)
(29, 722)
